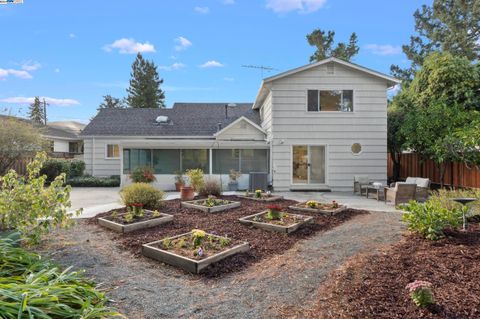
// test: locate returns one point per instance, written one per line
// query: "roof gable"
(236, 131)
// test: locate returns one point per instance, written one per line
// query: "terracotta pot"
(178, 186)
(187, 193)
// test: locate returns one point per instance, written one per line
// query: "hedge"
(92, 181)
(56, 166)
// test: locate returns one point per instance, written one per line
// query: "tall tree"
(323, 42)
(36, 112)
(448, 25)
(144, 90)
(110, 102)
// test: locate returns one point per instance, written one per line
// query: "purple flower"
(200, 252)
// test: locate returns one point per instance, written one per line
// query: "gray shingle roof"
(186, 119)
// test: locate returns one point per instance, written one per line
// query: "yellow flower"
(198, 233)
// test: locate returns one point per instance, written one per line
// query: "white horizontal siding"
(95, 161)
(367, 125)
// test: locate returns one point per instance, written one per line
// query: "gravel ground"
(142, 288)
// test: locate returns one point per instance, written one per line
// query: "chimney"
(226, 108)
(219, 127)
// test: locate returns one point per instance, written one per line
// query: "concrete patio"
(95, 200)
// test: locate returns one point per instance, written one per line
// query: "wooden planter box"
(272, 198)
(248, 220)
(213, 209)
(127, 228)
(326, 212)
(191, 265)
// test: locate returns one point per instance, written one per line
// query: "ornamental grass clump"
(142, 193)
(30, 207)
(31, 287)
(421, 293)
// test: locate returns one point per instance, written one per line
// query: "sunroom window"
(330, 100)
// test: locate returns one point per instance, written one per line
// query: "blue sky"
(73, 52)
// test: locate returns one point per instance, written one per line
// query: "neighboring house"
(310, 128)
(65, 139)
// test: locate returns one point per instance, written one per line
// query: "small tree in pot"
(233, 183)
(179, 181)
(195, 180)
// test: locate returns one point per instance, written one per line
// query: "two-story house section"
(325, 123)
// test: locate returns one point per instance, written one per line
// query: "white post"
(210, 161)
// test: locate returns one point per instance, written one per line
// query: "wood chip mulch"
(373, 286)
(262, 243)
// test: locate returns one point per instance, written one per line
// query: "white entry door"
(308, 164)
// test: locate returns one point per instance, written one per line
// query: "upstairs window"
(330, 100)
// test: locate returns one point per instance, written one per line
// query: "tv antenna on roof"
(262, 68)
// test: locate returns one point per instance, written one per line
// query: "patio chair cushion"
(421, 182)
(362, 179)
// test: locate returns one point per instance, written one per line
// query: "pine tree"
(448, 25)
(323, 42)
(36, 113)
(144, 90)
(110, 102)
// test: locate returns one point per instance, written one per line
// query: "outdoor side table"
(374, 190)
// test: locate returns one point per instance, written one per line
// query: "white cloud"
(173, 67)
(202, 10)
(182, 43)
(212, 64)
(22, 74)
(49, 100)
(384, 49)
(57, 70)
(72, 35)
(228, 79)
(301, 6)
(129, 46)
(30, 66)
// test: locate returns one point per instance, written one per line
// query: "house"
(64, 137)
(310, 128)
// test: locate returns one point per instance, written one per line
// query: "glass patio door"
(308, 164)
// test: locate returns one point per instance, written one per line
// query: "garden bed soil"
(200, 205)
(325, 208)
(262, 244)
(373, 286)
(184, 257)
(117, 223)
(288, 224)
(264, 198)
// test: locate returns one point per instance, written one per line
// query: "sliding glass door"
(308, 164)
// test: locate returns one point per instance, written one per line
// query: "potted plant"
(195, 180)
(233, 183)
(179, 181)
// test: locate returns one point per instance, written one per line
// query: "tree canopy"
(144, 90)
(324, 41)
(110, 102)
(18, 138)
(447, 26)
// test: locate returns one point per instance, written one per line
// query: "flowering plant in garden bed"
(274, 212)
(143, 175)
(421, 293)
(196, 245)
(212, 201)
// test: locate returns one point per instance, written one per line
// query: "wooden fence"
(20, 166)
(456, 174)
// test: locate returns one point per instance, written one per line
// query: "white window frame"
(106, 152)
(326, 112)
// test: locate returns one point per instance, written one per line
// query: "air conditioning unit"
(258, 180)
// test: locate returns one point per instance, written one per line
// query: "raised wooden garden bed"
(327, 209)
(178, 251)
(211, 205)
(264, 198)
(287, 224)
(150, 219)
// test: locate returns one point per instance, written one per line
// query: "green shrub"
(54, 167)
(210, 186)
(77, 167)
(30, 207)
(431, 219)
(31, 287)
(92, 181)
(195, 178)
(142, 193)
(444, 198)
(143, 175)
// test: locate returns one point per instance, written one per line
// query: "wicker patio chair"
(358, 182)
(400, 193)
